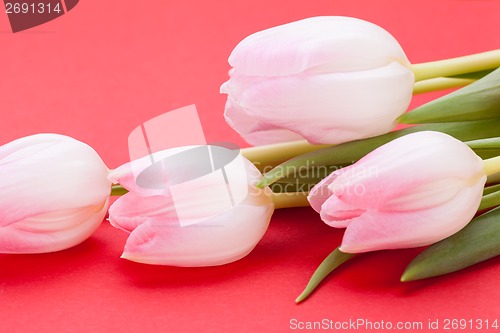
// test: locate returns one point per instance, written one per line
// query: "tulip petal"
(51, 232)
(127, 174)
(256, 133)
(317, 44)
(320, 193)
(131, 210)
(337, 213)
(416, 166)
(214, 241)
(20, 148)
(376, 230)
(327, 108)
(32, 166)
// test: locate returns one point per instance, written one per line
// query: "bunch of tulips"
(320, 100)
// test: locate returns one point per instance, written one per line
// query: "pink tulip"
(54, 193)
(176, 216)
(413, 191)
(326, 79)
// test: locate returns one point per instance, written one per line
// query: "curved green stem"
(290, 199)
(281, 200)
(456, 66)
(439, 83)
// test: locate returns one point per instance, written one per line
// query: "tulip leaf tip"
(406, 277)
(302, 297)
(414, 273)
(330, 263)
(476, 242)
(417, 270)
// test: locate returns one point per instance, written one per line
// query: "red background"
(107, 66)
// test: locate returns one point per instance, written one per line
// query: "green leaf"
(490, 143)
(489, 200)
(486, 148)
(349, 152)
(303, 180)
(479, 100)
(491, 189)
(334, 260)
(477, 242)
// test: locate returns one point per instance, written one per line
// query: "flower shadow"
(153, 276)
(19, 269)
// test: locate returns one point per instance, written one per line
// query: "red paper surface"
(105, 67)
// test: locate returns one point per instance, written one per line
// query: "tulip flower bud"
(326, 79)
(413, 191)
(54, 193)
(194, 206)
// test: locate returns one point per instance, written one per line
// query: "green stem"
(456, 66)
(269, 156)
(290, 199)
(439, 83)
(491, 166)
(281, 200)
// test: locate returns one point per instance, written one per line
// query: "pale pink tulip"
(176, 218)
(413, 191)
(326, 79)
(54, 193)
